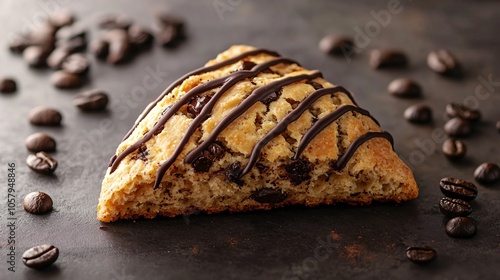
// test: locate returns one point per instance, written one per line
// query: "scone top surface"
(230, 136)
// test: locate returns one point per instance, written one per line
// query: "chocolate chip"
(246, 65)
(269, 195)
(298, 171)
(461, 227)
(454, 149)
(386, 58)
(44, 116)
(40, 256)
(487, 173)
(42, 163)
(35, 56)
(142, 153)
(202, 163)
(315, 85)
(8, 85)
(217, 150)
(419, 113)
(40, 142)
(92, 100)
(233, 173)
(37, 203)
(458, 127)
(65, 80)
(420, 255)
(195, 106)
(457, 110)
(273, 96)
(76, 64)
(405, 88)
(443, 62)
(336, 45)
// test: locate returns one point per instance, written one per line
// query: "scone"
(251, 130)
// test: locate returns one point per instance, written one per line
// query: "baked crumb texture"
(211, 184)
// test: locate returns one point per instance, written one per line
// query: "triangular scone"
(251, 130)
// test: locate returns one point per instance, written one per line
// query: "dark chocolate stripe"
(226, 82)
(197, 72)
(291, 117)
(259, 94)
(344, 159)
(324, 122)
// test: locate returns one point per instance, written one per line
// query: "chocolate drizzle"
(261, 94)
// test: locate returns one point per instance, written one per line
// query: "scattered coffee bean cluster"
(458, 192)
(61, 45)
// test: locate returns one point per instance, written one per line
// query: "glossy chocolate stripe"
(344, 159)
(288, 119)
(231, 80)
(223, 81)
(324, 122)
(197, 72)
(257, 95)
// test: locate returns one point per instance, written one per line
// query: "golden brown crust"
(373, 173)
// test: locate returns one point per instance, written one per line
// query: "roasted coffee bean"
(336, 45)
(44, 116)
(65, 80)
(168, 19)
(454, 149)
(487, 173)
(114, 22)
(40, 142)
(42, 163)
(419, 113)
(456, 188)
(405, 88)
(56, 58)
(454, 207)
(457, 110)
(76, 64)
(140, 37)
(18, 43)
(35, 56)
(40, 256)
(168, 36)
(68, 33)
(458, 127)
(443, 62)
(195, 106)
(420, 255)
(61, 18)
(37, 203)
(92, 100)
(384, 58)
(100, 49)
(246, 65)
(216, 150)
(269, 195)
(119, 46)
(461, 227)
(7, 85)
(233, 173)
(298, 171)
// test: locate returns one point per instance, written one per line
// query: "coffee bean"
(42, 163)
(233, 173)
(140, 37)
(298, 171)
(168, 19)
(246, 65)
(45, 116)
(461, 227)
(443, 62)
(114, 22)
(18, 43)
(454, 207)
(457, 110)
(170, 30)
(458, 127)
(35, 56)
(269, 195)
(196, 105)
(92, 100)
(487, 173)
(119, 46)
(39, 142)
(419, 113)
(7, 85)
(456, 188)
(40, 256)
(405, 88)
(454, 149)
(76, 64)
(61, 18)
(385, 58)
(37, 203)
(420, 255)
(100, 49)
(56, 58)
(69, 33)
(336, 45)
(65, 80)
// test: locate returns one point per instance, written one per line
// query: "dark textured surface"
(369, 242)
